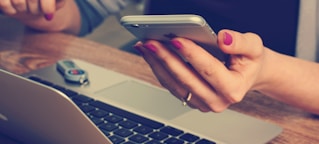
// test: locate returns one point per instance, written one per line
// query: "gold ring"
(187, 99)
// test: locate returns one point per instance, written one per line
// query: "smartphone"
(165, 27)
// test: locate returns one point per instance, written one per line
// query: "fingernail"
(151, 47)
(48, 17)
(228, 39)
(176, 44)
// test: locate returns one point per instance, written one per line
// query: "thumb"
(246, 44)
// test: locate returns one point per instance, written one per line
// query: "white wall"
(307, 30)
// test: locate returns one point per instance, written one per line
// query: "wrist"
(268, 73)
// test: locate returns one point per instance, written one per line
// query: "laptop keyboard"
(123, 127)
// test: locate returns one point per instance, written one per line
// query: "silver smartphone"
(166, 27)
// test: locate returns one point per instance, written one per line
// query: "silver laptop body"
(35, 113)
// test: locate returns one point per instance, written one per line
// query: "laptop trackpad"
(145, 98)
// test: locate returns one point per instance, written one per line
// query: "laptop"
(41, 107)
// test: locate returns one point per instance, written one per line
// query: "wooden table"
(22, 51)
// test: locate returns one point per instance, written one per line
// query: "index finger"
(202, 61)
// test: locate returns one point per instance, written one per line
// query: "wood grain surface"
(21, 52)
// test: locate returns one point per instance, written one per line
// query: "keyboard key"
(78, 103)
(143, 130)
(113, 118)
(106, 133)
(128, 124)
(123, 132)
(69, 93)
(129, 115)
(99, 113)
(82, 98)
(97, 121)
(172, 131)
(108, 127)
(35, 78)
(153, 142)
(138, 138)
(158, 135)
(189, 137)
(116, 139)
(128, 142)
(87, 108)
(173, 141)
(204, 141)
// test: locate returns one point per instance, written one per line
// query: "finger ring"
(187, 99)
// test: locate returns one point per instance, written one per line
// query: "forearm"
(67, 19)
(291, 80)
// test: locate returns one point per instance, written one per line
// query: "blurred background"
(111, 33)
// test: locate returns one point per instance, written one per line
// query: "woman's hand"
(213, 85)
(27, 8)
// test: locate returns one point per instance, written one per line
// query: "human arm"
(78, 17)
(44, 15)
(252, 67)
(291, 80)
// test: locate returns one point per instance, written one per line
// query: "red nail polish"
(176, 44)
(48, 17)
(228, 39)
(151, 47)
